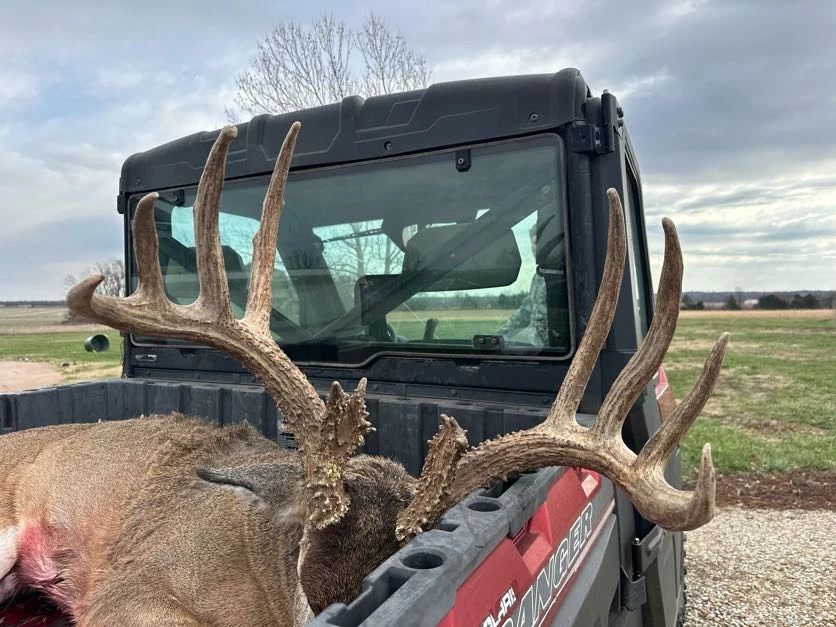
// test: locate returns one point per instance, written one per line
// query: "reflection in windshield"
(404, 254)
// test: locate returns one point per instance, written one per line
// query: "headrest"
(495, 263)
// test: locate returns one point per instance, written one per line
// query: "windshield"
(452, 252)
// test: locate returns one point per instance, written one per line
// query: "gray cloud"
(36, 261)
(728, 104)
(747, 84)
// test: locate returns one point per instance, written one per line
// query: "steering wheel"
(392, 334)
(382, 331)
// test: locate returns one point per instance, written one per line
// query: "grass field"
(37, 334)
(774, 407)
(773, 410)
(452, 324)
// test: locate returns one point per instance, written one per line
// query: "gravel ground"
(763, 567)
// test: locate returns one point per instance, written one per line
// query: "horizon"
(727, 122)
(45, 302)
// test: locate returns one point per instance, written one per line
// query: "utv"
(508, 177)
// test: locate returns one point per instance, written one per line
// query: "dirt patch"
(54, 328)
(86, 372)
(16, 376)
(739, 389)
(798, 489)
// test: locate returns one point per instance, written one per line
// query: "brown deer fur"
(168, 520)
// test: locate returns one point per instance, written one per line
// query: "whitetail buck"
(169, 520)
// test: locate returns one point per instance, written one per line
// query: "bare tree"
(296, 67)
(113, 271)
(356, 249)
(113, 284)
(390, 65)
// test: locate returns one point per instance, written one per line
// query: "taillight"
(664, 394)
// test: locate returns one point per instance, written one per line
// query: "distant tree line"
(426, 302)
(32, 303)
(689, 304)
(732, 303)
(808, 301)
(768, 301)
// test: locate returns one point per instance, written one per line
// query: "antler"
(432, 493)
(327, 434)
(560, 440)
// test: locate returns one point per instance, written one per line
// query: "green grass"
(452, 324)
(38, 335)
(58, 348)
(774, 406)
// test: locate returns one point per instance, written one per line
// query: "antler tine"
(326, 445)
(211, 271)
(561, 441)
(445, 449)
(209, 319)
(664, 441)
(142, 311)
(82, 298)
(147, 255)
(600, 320)
(647, 359)
(260, 298)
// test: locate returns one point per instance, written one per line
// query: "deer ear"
(269, 487)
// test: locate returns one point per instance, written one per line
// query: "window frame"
(377, 350)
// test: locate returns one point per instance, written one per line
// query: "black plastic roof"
(444, 114)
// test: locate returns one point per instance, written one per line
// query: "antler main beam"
(326, 434)
(560, 441)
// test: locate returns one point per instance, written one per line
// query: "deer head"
(356, 510)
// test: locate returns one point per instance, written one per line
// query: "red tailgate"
(529, 575)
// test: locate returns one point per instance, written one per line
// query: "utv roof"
(442, 115)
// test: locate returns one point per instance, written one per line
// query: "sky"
(731, 106)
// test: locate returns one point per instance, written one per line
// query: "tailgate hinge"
(633, 591)
(646, 550)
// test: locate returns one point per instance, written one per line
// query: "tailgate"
(541, 549)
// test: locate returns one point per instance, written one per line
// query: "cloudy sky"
(731, 106)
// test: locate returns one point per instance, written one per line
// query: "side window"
(521, 307)
(638, 278)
